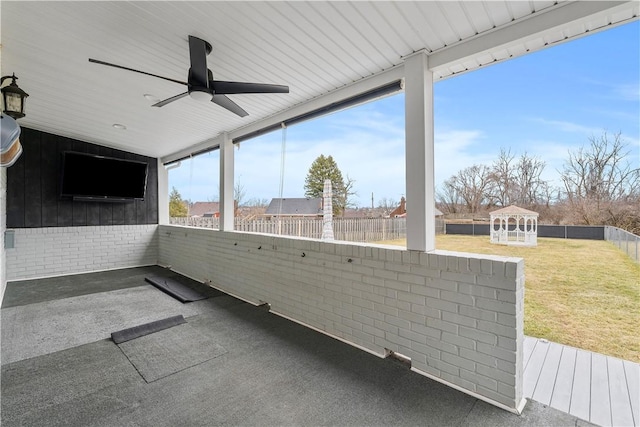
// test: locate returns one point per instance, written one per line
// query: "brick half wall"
(458, 316)
(57, 251)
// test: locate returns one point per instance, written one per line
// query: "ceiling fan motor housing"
(197, 91)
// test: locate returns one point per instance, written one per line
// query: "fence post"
(627, 244)
(384, 229)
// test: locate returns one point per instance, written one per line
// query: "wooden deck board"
(600, 412)
(619, 394)
(597, 388)
(561, 398)
(581, 392)
(534, 367)
(632, 373)
(547, 378)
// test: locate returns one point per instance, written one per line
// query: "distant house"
(205, 209)
(208, 209)
(362, 212)
(295, 207)
(401, 211)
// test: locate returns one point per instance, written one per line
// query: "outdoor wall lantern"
(13, 98)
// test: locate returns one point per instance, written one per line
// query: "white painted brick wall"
(459, 317)
(55, 251)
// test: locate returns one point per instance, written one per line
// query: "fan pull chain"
(283, 150)
(190, 188)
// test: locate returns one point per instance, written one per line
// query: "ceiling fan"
(202, 86)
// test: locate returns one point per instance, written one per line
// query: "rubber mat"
(181, 292)
(170, 351)
(146, 329)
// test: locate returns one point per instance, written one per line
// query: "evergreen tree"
(177, 206)
(326, 168)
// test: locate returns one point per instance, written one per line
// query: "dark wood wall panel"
(33, 187)
(65, 207)
(16, 193)
(152, 196)
(49, 164)
(32, 183)
(79, 208)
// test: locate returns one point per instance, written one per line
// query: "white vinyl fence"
(349, 229)
(628, 242)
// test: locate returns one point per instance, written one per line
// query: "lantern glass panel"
(13, 102)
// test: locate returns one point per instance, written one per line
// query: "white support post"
(227, 204)
(419, 141)
(163, 194)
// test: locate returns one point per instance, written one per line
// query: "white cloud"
(566, 126)
(458, 149)
(616, 91)
(627, 92)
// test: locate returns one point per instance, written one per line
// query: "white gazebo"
(514, 225)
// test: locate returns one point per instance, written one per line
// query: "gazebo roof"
(513, 210)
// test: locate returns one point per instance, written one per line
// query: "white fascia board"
(534, 26)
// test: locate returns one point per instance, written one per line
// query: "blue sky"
(546, 104)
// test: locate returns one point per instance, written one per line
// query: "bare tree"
(601, 185)
(387, 205)
(472, 186)
(517, 182)
(256, 202)
(502, 179)
(448, 199)
(529, 185)
(347, 193)
(239, 193)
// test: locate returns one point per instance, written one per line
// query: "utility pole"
(372, 200)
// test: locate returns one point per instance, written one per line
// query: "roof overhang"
(325, 51)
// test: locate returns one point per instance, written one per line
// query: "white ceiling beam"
(523, 29)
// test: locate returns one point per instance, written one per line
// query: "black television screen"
(100, 178)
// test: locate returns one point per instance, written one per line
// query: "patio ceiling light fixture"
(13, 98)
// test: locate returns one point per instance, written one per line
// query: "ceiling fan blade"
(136, 71)
(226, 88)
(168, 100)
(198, 55)
(225, 102)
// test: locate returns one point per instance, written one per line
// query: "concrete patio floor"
(231, 364)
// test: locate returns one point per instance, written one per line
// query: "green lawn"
(582, 293)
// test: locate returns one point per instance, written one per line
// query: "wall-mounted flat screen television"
(89, 177)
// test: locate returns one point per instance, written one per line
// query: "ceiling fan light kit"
(200, 95)
(200, 83)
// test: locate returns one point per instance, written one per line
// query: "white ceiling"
(316, 48)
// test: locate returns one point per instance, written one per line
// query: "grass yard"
(582, 293)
